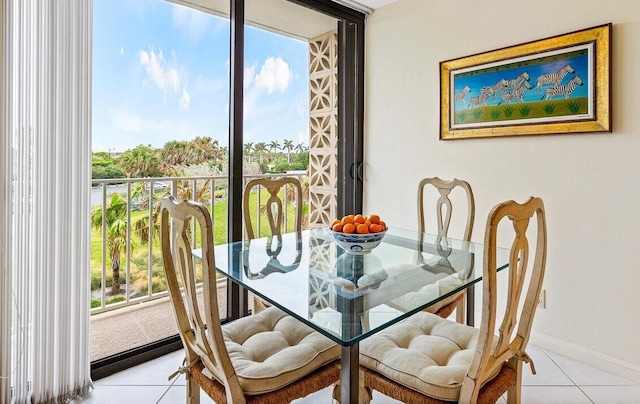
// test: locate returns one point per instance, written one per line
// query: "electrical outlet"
(542, 299)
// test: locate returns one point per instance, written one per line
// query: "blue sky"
(161, 72)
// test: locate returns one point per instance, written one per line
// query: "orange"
(362, 229)
(337, 227)
(383, 224)
(358, 219)
(347, 219)
(374, 228)
(349, 228)
(367, 222)
(375, 219)
(335, 222)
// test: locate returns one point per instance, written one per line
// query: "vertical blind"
(45, 158)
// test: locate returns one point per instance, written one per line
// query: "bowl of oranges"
(358, 234)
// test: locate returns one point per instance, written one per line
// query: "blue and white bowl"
(358, 244)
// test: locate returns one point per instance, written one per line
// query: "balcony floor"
(133, 326)
(122, 329)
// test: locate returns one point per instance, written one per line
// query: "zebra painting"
(516, 94)
(565, 90)
(517, 82)
(482, 98)
(553, 78)
(462, 95)
(496, 88)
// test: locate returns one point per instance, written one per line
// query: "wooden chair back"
(444, 206)
(444, 212)
(283, 192)
(200, 330)
(510, 342)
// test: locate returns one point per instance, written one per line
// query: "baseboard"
(607, 363)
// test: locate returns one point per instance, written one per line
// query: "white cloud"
(185, 99)
(130, 122)
(126, 121)
(121, 51)
(275, 75)
(193, 22)
(165, 78)
(303, 137)
(251, 99)
(249, 74)
(127, 128)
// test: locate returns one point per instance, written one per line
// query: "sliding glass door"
(258, 88)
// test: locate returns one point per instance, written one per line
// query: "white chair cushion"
(270, 350)
(424, 352)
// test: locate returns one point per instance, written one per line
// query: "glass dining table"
(350, 297)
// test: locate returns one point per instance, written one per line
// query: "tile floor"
(559, 380)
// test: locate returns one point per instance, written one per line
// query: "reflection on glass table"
(273, 249)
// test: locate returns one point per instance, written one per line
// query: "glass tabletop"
(349, 297)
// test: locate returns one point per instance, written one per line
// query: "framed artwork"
(556, 85)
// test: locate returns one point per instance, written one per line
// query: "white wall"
(590, 183)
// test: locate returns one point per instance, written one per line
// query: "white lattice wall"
(323, 133)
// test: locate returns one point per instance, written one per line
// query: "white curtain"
(45, 166)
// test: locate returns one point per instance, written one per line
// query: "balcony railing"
(125, 232)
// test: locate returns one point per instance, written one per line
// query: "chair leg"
(258, 305)
(364, 393)
(514, 393)
(364, 320)
(193, 391)
(461, 308)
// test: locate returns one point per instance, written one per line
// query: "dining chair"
(429, 359)
(284, 195)
(444, 212)
(269, 357)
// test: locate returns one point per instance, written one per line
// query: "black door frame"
(350, 121)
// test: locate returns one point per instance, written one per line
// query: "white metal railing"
(143, 195)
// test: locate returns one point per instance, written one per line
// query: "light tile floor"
(558, 380)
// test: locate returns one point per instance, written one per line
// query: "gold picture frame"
(556, 85)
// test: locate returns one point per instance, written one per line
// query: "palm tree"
(140, 161)
(301, 148)
(260, 148)
(274, 146)
(205, 148)
(223, 153)
(174, 153)
(288, 145)
(116, 231)
(141, 226)
(248, 148)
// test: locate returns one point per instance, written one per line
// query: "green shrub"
(96, 281)
(97, 303)
(116, 299)
(99, 172)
